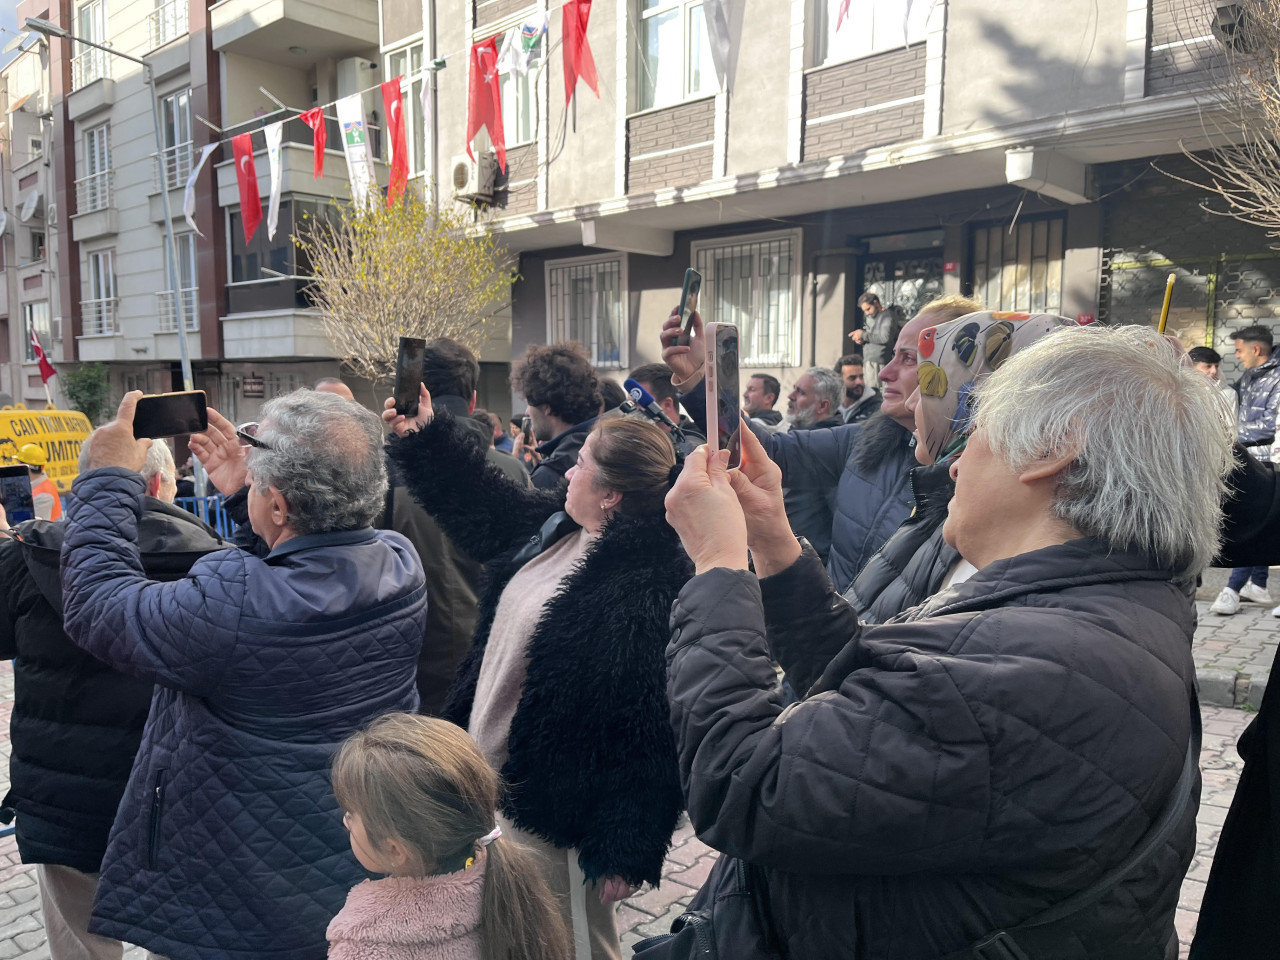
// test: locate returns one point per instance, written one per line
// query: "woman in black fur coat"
(564, 688)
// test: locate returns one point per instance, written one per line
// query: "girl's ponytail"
(519, 916)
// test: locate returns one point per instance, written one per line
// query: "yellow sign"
(58, 433)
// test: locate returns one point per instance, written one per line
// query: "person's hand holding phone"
(856, 335)
(401, 425)
(221, 454)
(758, 485)
(114, 445)
(684, 359)
(703, 508)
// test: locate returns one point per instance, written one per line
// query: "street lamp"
(50, 29)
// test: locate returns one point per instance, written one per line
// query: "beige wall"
(1009, 61)
(758, 105)
(242, 100)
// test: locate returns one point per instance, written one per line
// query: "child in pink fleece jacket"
(419, 801)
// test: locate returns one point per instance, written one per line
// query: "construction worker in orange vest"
(44, 492)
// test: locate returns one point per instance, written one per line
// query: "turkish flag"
(314, 118)
(484, 100)
(578, 62)
(399, 143)
(46, 368)
(247, 179)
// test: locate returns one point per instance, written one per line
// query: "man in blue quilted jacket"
(228, 842)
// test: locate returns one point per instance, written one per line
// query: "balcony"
(261, 29)
(176, 166)
(95, 191)
(166, 309)
(98, 317)
(90, 66)
(167, 23)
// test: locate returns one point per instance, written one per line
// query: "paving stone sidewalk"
(1233, 654)
(1239, 647)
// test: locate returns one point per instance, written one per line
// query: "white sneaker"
(1276, 612)
(1255, 594)
(1228, 602)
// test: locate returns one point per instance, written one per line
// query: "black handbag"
(725, 921)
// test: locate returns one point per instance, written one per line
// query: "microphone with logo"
(644, 400)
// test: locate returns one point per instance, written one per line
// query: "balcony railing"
(165, 308)
(90, 66)
(167, 22)
(177, 166)
(95, 192)
(98, 317)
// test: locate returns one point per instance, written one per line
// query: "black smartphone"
(526, 427)
(688, 304)
(170, 414)
(722, 391)
(409, 374)
(15, 494)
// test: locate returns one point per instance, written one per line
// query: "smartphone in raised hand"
(722, 391)
(170, 414)
(413, 351)
(526, 428)
(15, 494)
(688, 305)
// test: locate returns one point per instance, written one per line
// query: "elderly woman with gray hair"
(1006, 770)
(228, 842)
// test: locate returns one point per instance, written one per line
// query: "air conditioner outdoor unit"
(474, 179)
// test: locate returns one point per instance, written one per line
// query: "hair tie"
(674, 473)
(491, 836)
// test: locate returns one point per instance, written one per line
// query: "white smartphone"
(724, 423)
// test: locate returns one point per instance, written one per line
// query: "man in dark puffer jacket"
(228, 843)
(1003, 746)
(77, 723)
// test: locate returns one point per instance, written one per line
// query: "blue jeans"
(1242, 575)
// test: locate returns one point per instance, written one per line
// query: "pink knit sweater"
(411, 918)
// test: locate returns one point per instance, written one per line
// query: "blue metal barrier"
(211, 510)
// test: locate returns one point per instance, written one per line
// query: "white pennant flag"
(724, 20)
(274, 134)
(355, 146)
(189, 195)
(522, 45)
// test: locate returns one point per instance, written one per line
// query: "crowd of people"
(919, 669)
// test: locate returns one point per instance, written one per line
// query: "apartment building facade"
(1008, 151)
(29, 293)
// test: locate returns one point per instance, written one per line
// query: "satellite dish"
(29, 206)
(16, 42)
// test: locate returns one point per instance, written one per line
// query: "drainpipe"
(813, 292)
(432, 76)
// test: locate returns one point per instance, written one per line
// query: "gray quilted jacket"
(952, 772)
(228, 842)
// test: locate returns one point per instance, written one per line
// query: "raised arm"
(476, 504)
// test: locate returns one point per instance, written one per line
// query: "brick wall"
(861, 85)
(1177, 60)
(679, 135)
(670, 170)
(491, 11)
(517, 191)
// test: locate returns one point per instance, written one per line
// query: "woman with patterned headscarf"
(954, 357)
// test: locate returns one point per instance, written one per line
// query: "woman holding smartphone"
(564, 686)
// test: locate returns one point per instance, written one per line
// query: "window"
(1019, 269)
(91, 24)
(185, 253)
(407, 63)
(175, 125)
(519, 101)
(98, 309)
(93, 190)
(585, 303)
(167, 21)
(754, 282)
(872, 26)
(272, 275)
(35, 316)
(675, 54)
(36, 145)
(37, 244)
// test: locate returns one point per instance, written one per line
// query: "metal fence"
(212, 510)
